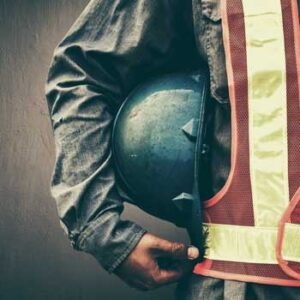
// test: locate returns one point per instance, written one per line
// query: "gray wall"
(36, 261)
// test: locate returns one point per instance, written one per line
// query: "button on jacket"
(112, 47)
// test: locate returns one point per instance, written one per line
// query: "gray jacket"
(113, 46)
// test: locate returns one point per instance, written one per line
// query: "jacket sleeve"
(113, 45)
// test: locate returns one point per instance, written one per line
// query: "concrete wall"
(36, 261)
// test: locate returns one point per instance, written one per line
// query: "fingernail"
(192, 253)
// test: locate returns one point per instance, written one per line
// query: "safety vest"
(253, 222)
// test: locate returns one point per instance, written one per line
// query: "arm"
(114, 45)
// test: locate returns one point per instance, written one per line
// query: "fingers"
(181, 251)
(173, 275)
(176, 250)
(155, 280)
(155, 262)
(168, 277)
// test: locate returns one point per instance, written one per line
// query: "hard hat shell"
(154, 143)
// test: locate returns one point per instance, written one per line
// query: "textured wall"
(36, 261)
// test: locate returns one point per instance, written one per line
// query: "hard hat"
(155, 137)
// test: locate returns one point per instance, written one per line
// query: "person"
(112, 47)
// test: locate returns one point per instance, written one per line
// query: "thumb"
(179, 251)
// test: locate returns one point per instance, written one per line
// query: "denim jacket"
(113, 46)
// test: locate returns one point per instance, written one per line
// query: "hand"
(155, 262)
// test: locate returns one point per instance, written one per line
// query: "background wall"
(36, 261)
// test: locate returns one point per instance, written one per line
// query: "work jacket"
(112, 47)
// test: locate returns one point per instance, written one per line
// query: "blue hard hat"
(154, 143)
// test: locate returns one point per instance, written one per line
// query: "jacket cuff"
(131, 244)
(111, 248)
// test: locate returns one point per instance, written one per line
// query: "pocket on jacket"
(211, 14)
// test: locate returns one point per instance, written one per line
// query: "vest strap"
(251, 244)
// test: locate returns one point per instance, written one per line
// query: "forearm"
(83, 182)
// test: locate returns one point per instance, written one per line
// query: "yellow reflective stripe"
(267, 110)
(291, 242)
(251, 244)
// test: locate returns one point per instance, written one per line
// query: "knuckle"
(177, 247)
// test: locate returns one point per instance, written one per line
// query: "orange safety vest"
(253, 222)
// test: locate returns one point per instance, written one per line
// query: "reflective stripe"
(251, 244)
(267, 102)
